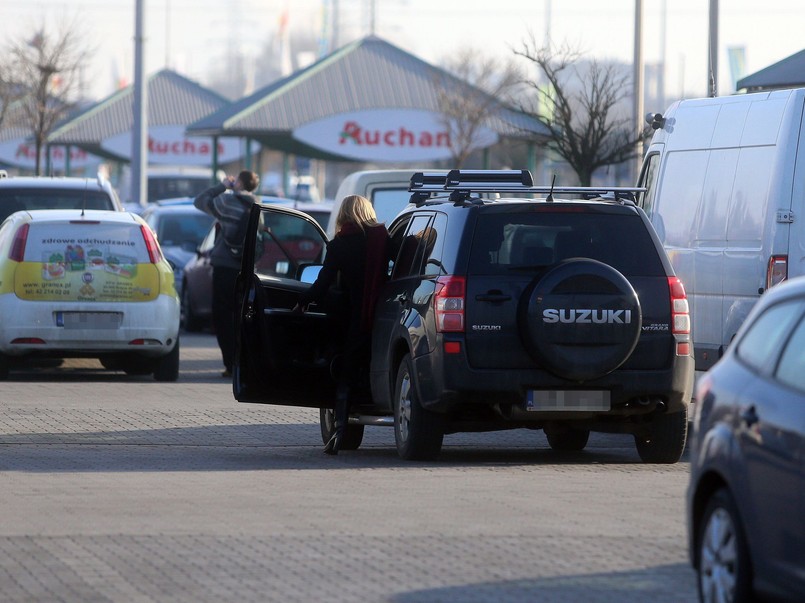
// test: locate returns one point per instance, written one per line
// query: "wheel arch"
(708, 484)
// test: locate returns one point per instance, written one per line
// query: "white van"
(725, 180)
(386, 189)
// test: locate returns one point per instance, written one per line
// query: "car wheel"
(418, 432)
(188, 320)
(723, 568)
(567, 439)
(663, 440)
(352, 437)
(4, 366)
(581, 320)
(167, 367)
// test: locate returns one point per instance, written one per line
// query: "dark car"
(529, 311)
(180, 227)
(746, 498)
(196, 276)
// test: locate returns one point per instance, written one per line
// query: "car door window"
(761, 345)
(286, 243)
(791, 368)
(409, 258)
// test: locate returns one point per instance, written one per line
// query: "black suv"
(506, 307)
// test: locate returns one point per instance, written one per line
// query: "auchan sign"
(168, 145)
(385, 135)
(22, 153)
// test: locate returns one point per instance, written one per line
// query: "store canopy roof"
(172, 100)
(788, 73)
(367, 75)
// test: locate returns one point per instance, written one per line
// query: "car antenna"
(550, 194)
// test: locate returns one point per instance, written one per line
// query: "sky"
(192, 36)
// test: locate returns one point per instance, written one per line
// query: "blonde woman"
(358, 258)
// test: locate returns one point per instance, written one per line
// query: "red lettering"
(389, 138)
(351, 130)
(443, 139)
(406, 137)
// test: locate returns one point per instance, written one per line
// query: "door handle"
(403, 299)
(493, 296)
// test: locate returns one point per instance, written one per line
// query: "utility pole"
(638, 82)
(712, 51)
(139, 138)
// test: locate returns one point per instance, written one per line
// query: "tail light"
(777, 271)
(151, 244)
(680, 314)
(17, 252)
(449, 304)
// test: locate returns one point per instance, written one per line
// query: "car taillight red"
(777, 270)
(17, 252)
(449, 304)
(680, 314)
(151, 244)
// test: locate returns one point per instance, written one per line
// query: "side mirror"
(309, 273)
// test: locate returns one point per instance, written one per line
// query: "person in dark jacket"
(356, 258)
(230, 203)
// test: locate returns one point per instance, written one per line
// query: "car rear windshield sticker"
(86, 263)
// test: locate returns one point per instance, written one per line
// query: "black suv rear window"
(531, 240)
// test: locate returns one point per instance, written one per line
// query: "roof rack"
(462, 183)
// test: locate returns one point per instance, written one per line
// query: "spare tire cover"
(581, 320)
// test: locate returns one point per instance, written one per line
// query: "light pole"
(638, 83)
(139, 138)
(712, 51)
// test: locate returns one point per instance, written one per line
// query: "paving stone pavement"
(119, 488)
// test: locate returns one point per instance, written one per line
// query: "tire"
(723, 571)
(663, 440)
(167, 367)
(567, 439)
(189, 322)
(581, 320)
(352, 437)
(4, 366)
(418, 432)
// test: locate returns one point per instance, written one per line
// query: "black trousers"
(223, 311)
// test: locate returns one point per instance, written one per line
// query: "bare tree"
(46, 68)
(583, 109)
(9, 92)
(471, 90)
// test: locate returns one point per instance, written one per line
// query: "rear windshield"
(506, 242)
(18, 199)
(84, 246)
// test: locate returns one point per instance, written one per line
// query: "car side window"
(761, 345)
(285, 244)
(791, 368)
(412, 247)
(432, 265)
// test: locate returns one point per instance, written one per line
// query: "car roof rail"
(461, 184)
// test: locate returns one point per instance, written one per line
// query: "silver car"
(746, 498)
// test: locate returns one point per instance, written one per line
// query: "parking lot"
(120, 488)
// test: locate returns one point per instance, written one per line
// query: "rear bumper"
(154, 323)
(446, 381)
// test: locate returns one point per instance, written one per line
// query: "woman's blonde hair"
(356, 210)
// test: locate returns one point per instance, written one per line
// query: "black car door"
(283, 357)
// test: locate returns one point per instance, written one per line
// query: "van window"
(168, 187)
(648, 180)
(388, 202)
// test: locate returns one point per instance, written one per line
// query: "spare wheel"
(581, 320)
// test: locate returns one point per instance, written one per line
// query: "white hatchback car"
(89, 284)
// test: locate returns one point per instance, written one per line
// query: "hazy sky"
(192, 35)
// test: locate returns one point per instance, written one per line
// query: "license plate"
(568, 400)
(89, 320)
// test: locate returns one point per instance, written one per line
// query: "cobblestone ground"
(119, 488)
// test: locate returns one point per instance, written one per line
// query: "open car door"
(282, 357)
